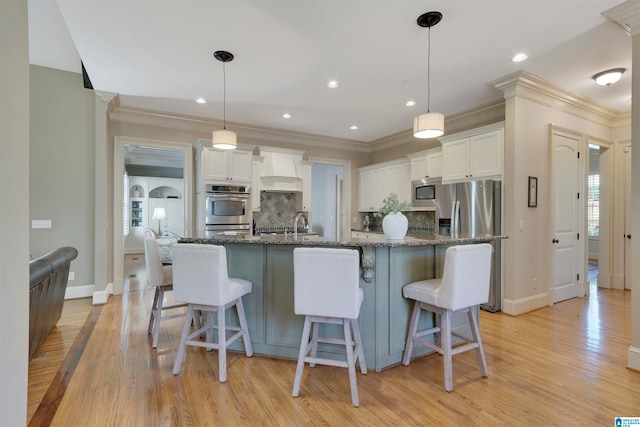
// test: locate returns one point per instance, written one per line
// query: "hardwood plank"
(560, 365)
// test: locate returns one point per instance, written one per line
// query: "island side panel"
(247, 262)
(395, 268)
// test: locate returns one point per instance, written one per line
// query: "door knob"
(555, 241)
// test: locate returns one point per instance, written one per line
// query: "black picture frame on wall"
(532, 200)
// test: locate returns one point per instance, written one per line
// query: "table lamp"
(159, 214)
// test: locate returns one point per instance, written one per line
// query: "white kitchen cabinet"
(222, 166)
(227, 165)
(256, 185)
(477, 156)
(426, 164)
(378, 181)
(306, 187)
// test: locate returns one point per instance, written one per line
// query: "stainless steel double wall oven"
(227, 209)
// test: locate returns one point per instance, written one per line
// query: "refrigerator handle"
(456, 227)
(452, 225)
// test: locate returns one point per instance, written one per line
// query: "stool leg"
(304, 348)
(159, 303)
(183, 338)
(445, 339)
(153, 310)
(245, 330)
(413, 327)
(355, 399)
(359, 351)
(222, 345)
(475, 330)
(315, 332)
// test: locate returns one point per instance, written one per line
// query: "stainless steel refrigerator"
(473, 209)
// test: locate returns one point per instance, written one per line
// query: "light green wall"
(61, 160)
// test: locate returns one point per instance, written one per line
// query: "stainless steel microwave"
(423, 193)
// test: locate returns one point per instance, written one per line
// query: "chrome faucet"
(305, 224)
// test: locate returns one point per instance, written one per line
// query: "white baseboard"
(524, 305)
(74, 292)
(633, 356)
(101, 297)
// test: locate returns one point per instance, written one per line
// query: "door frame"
(581, 261)
(346, 195)
(118, 171)
(607, 208)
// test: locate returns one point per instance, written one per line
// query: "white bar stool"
(161, 277)
(327, 290)
(201, 280)
(464, 285)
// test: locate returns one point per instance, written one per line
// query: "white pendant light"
(429, 125)
(224, 139)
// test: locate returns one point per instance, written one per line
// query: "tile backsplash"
(277, 211)
(419, 221)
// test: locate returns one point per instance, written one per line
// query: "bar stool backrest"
(155, 272)
(200, 274)
(327, 282)
(466, 277)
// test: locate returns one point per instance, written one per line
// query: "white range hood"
(281, 170)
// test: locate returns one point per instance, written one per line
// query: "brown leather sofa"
(48, 277)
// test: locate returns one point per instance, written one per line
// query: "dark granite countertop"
(375, 240)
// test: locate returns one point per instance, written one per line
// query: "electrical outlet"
(72, 275)
(534, 284)
(41, 223)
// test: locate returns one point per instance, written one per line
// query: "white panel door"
(565, 180)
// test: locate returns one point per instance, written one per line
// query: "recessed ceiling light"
(608, 77)
(519, 57)
(286, 115)
(201, 101)
(410, 103)
(353, 127)
(333, 84)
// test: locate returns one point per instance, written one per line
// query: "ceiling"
(159, 55)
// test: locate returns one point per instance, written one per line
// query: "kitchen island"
(267, 262)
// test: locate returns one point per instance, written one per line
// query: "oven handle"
(222, 193)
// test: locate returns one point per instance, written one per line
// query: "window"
(593, 206)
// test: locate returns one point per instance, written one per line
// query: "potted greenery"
(394, 223)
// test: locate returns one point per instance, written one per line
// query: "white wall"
(14, 211)
(526, 154)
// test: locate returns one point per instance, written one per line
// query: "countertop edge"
(357, 242)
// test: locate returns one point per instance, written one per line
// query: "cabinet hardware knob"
(555, 241)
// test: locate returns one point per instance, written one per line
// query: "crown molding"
(536, 89)
(252, 135)
(626, 15)
(484, 114)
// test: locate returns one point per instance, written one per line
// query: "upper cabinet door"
(240, 166)
(215, 165)
(456, 160)
(485, 154)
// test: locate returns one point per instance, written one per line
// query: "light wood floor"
(563, 365)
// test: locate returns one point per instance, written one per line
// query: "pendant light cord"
(429, 72)
(224, 96)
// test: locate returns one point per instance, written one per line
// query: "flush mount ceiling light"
(608, 77)
(519, 57)
(429, 125)
(224, 139)
(201, 101)
(333, 84)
